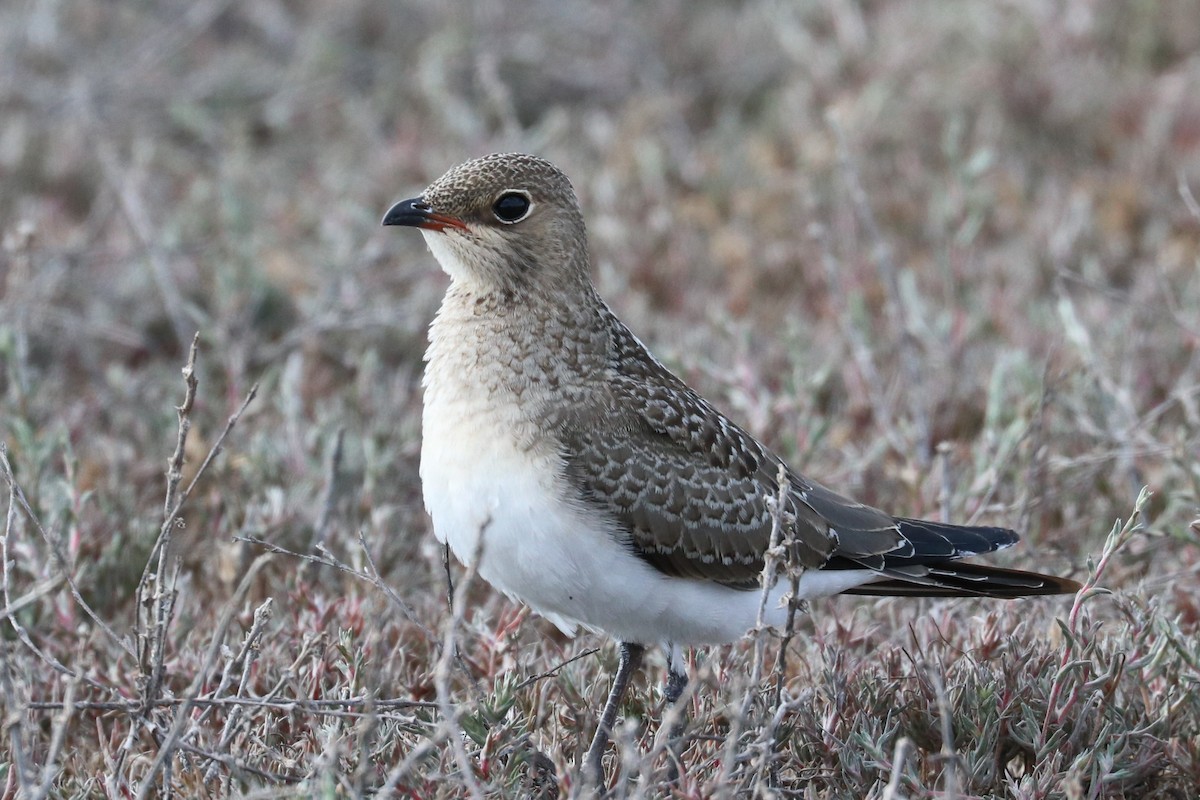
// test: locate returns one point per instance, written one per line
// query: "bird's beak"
(416, 213)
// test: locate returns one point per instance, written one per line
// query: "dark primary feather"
(692, 492)
(960, 579)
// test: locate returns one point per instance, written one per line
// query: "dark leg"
(677, 681)
(631, 659)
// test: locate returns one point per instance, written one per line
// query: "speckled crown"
(474, 184)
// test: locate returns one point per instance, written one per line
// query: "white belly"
(564, 561)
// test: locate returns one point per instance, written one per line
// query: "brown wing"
(689, 488)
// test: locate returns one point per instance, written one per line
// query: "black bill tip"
(416, 213)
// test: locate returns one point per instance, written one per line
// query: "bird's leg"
(630, 660)
(677, 681)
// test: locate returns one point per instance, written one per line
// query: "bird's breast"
(485, 457)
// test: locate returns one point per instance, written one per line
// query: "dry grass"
(943, 256)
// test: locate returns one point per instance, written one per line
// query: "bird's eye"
(512, 206)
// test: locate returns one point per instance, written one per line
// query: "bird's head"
(506, 222)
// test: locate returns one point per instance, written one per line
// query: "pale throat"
(447, 256)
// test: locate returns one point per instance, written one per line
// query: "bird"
(577, 474)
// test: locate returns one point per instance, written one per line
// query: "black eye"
(511, 207)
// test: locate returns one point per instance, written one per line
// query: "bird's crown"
(475, 186)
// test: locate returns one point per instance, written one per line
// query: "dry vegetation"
(945, 256)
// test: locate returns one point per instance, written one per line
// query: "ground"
(943, 257)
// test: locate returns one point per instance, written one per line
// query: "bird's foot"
(673, 710)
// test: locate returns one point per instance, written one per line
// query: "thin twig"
(234, 766)
(948, 754)
(553, 671)
(156, 593)
(795, 605)
(164, 532)
(40, 590)
(767, 746)
(288, 705)
(183, 711)
(242, 663)
(458, 657)
(160, 600)
(14, 721)
(414, 757)
(899, 759)
(441, 674)
(183, 411)
(174, 475)
(774, 555)
(1118, 537)
(58, 735)
(376, 580)
(323, 557)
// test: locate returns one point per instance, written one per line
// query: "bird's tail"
(930, 566)
(960, 579)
